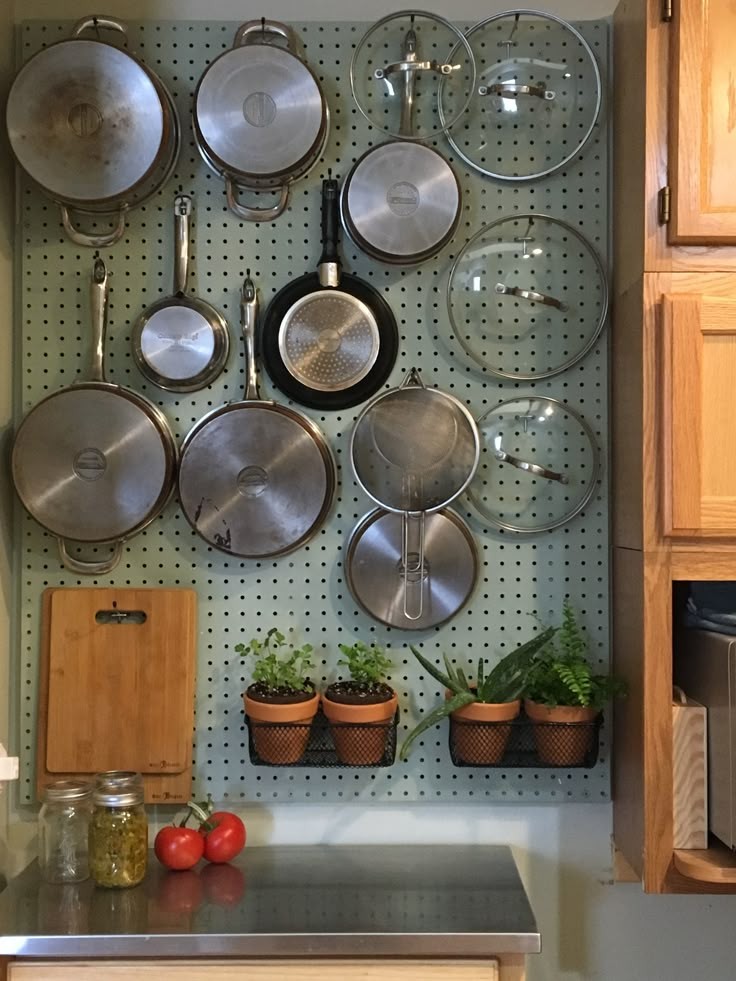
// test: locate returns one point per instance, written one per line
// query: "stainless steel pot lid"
(377, 579)
(400, 202)
(85, 120)
(259, 110)
(536, 100)
(539, 465)
(397, 68)
(527, 297)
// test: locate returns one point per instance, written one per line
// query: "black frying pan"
(329, 340)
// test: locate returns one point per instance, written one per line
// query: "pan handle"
(329, 262)
(93, 241)
(245, 213)
(248, 316)
(89, 568)
(182, 211)
(98, 311)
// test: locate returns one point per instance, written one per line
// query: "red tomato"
(225, 838)
(224, 885)
(178, 848)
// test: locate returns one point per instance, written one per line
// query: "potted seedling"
(564, 697)
(494, 697)
(361, 708)
(281, 701)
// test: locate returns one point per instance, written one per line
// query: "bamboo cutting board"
(118, 695)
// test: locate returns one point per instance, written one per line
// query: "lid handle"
(512, 90)
(531, 295)
(503, 457)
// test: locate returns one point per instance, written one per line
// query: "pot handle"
(89, 568)
(254, 214)
(244, 34)
(86, 23)
(93, 241)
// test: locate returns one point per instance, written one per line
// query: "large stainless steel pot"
(93, 127)
(260, 118)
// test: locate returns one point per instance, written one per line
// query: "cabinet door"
(702, 123)
(699, 415)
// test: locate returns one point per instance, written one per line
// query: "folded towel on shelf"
(712, 606)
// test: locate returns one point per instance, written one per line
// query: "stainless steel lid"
(66, 790)
(85, 120)
(401, 202)
(527, 297)
(259, 110)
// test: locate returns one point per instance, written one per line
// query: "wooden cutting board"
(118, 695)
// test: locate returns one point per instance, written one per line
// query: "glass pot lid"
(397, 69)
(536, 99)
(539, 465)
(527, 297)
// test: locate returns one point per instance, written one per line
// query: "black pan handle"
(329, 262)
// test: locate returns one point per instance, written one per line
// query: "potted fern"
(564, 697)
(361, 708)
(281, 701)
(494, 697)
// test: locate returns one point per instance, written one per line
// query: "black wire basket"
(524, 743)
(322, 743)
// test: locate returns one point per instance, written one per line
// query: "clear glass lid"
(397, 69)
(536, 99)
(539, 465)
(527, 297)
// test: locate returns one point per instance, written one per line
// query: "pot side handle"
(254, 214)
(93, 241)
(88, 23)
(85, 568)
(245, 33)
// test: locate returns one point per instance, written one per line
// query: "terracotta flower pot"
(361, 731)
(284, 737)
(567, 742)
(476, 742)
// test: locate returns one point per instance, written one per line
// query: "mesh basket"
(523, 743)
(322, 743)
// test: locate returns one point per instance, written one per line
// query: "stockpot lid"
(85, 120)
(539, 465)
(527, 297)
(536, 100)
(398, 67)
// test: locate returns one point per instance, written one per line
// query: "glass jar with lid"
(118, 831)
(63, 828)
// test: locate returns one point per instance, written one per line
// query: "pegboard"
(521, 576)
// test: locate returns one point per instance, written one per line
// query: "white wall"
(592, 930)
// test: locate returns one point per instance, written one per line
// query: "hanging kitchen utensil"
(94, 462)
(375, 569)
(181, 343)
(536, 100)
(414, 450)
(527, 297)
(260, 118)
(329, 340)
(539, 465)
(396, 70)
(93, 127)
(256, 478)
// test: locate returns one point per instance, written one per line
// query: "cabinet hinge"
(667, 9)
(664, 201)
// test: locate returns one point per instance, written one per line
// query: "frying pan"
(181, 343)
(329, 340)
(256, 478)
(94, 462)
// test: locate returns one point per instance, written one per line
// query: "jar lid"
(119, 778)
(61, 790)
(108, 796)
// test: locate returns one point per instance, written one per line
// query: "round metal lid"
(375, 572)
(67, 790)
(539, 465)
(536, 74)
(527, 297)
(401, 202)
(254, 481)
(259, 109)
(85, 120)
(397, 69)
(329, 340)
(90, 464)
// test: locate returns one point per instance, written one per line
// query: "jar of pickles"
(118, 832)
(63, 830)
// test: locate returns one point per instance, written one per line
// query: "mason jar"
(63, 829)
(118, 834)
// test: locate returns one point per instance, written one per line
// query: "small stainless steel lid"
(401, 202)
(85, 120)
(66, 790)
(119, 778)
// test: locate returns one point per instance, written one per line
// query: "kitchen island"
(399, 912)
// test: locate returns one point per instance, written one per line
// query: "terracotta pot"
(565, 742)
(360, 731)
(476, 742)
(281, 729)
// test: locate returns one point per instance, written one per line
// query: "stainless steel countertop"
(322, 900)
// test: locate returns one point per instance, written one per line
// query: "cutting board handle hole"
(120, 616)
